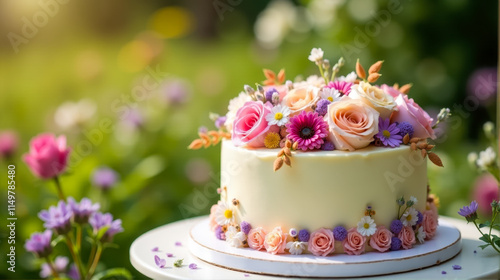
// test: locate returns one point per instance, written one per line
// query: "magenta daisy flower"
(388, 133)
(343, 87)
(308, 130)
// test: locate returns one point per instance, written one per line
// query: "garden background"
(150, 73)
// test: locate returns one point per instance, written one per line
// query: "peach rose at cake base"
(375, 98)
(407, 237)
(47, 156)
(301, 99)
(410, 112)
(352, 123)
(381, 240)
(354, 244)
(250, 126)
(275, 241)
(321, 242)
(430, 223)
(256, 238)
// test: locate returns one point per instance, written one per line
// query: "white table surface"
(475, 263)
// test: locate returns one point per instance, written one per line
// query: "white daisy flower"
(224, 214)
(349, 78)
(486, 158)
(234, 237)
(330, 94)
(316, 55)
(421, 234)
(367, 226)
(278, 115)
(234, 105)
(410, 217)
(296, 247)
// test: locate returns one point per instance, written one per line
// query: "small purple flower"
(469, 212)
(396, 226)
(395, 243)
(161, 263)
(388, 133)
(420, 217)
(133, 119)
(340, 233)
(219, 233)
(155, 249)
(170, 255)
(104, 178)
(73, 272)
(176, 91)
(456, 267)
(245, 227)
(220, 121)
(57, 218)
(177, 243)
(82, 210)
(322, 107)
(60, 264)
(99, 220)
(328, 146)
(193, 266)
(304, 235)
(202, 129)
(269, 94)
(443, 272)
(405, 128)
(39, 244)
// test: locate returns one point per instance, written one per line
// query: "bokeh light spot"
(134, 56)
(362, 10)
(172, 22)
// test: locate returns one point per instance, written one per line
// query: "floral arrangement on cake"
(408, 227)
(326, 112)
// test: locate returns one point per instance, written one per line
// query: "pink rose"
(391, 91)
(321, 242)
(211, 219)
(250, 125)
(430, 223)
(354, 244)
(275, 241)
(256, 238)
(381, 240)
(411, 112)
(301, 99)
(407, 237)
(352, 123)
(48, 155)
(8, 143)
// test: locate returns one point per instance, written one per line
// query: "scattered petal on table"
(456, 267)
(178, 243)
(193, 266)
(155, 249)
(170, 255)
(160, 262)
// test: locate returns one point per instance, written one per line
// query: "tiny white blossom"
(486, 158)
(278, 115)
(316, 55)
(367, 226)
(414, 199)
(410, 217)
(349, 78)
(296, 247)
(330, 94)
(234, 237)
(421, 234)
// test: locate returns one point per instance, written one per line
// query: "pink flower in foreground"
(275, 241)
(308, 130)
(407, 237)
(321, 242)
(485, 191)
(343, 87)
(381, 240)
(256, 238)
(250, 125)
(48, 156)
(8, 143)
(354, 244)
(409, 111)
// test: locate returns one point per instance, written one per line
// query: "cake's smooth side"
(322, 188)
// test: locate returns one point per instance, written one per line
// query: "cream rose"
(301, 99)
(352, 123)
(275, 241)
(375, 98)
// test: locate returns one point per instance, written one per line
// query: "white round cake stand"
(174, 239)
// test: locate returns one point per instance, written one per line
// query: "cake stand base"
(444, 246)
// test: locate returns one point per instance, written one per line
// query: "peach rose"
(301, 99)
(211, 219)
(321, 242)
(407, 237)
(275, 241)
(256, 237)
(354, 244)
(375, 98)
(411, 112)
(381, 239)
(352, 123)
(430, 223)
(250, 125)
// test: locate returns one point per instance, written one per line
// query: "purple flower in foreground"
(57, 218)
(340, 233)
(269, 94)
(193, 266)
(308, 130)
(304, 235)
(39, 243)
(60, 264)
(328, 146)
(99, 220)
(395, 243)
(220, 121)
(388, 133)
(161, 263)
(396, 226)
(456, 267)
(82, 210)
(245, 227)
(73, 272)
(322, 107)
(469, 212)
(219, 233)
(104, 178)
(406, 128)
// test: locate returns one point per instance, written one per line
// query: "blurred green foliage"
(101, 50)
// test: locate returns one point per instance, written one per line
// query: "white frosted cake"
(324, 166)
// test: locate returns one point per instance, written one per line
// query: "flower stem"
(322, 73)
(75, 256)
(52, 268)
(95, 262)
(92, 254)
(59, 189)
(78, 237)
(491, 227)
(482, 234)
